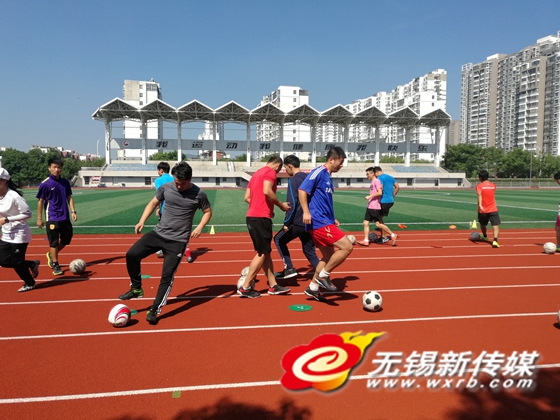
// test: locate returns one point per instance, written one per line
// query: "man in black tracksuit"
(293, 224)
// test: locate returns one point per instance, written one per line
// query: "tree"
(516, 164)
(266, 157)
(241, 158)
(492, 160)
(165, 156)
(463, 158)
(16, 163)
(547, 165)
(391, 159)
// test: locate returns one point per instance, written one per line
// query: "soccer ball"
(373, 238)
(241, 280)
(77, 266)
(372, 301)
(119, 315)
(475, 236)
(549, 248)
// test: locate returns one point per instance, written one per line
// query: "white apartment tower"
(140, 93)
(286, 98)
(512, 101)
(423, 95)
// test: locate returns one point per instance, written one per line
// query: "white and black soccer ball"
(372, 301)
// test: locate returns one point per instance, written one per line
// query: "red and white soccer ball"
(119, 315)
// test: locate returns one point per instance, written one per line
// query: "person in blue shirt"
(164, 177)
(390, 190)
(293, 226)
(316, 200)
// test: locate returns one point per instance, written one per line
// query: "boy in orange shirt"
(487, 208)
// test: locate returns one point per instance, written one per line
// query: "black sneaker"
(151, 317)
(278, 290)
(56, 270)
(326, 283)
(315, 294)
(288, 273)
(35, 268)
(249, 293)
(132, 293)
(385, 239)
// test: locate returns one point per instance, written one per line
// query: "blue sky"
(62, 59)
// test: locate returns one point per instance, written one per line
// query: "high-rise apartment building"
(512, 100)
(423, 95)
(286, 98)
(140, 93)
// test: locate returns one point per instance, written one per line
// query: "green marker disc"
(133, 312)
(146, 276)
(301, 308)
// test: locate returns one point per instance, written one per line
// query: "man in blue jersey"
(293, 226)
(316, 200)
(390, 190)
(54, 197)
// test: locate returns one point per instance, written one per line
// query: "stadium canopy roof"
(370, 116)
(403, 117)
(116, 110)
(437, 118)
(196, 111)
(304, 114)
(337, 114)
(267, 112)
(159, 110)
(232, 112)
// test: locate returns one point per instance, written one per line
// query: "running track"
(214, 355)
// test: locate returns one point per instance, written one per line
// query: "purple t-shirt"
(55, 193)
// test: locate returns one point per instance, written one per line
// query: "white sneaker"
(159, 254)
(26, 287)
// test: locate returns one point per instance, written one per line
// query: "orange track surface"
(214, 355)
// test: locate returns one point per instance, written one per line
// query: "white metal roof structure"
(232, 112)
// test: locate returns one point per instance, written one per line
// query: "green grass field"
(118, 210)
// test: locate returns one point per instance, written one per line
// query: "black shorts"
(373, 215)
(59, 231)
(260, 229)
(385, 208)
(493, 218)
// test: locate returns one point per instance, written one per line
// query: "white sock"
(324, 274)
(313, 286)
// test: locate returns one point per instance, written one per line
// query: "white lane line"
(339, 273)
(191, 388)
(233, 295)
(272, 326)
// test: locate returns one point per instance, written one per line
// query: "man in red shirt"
(261, 197)
(487, 208)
